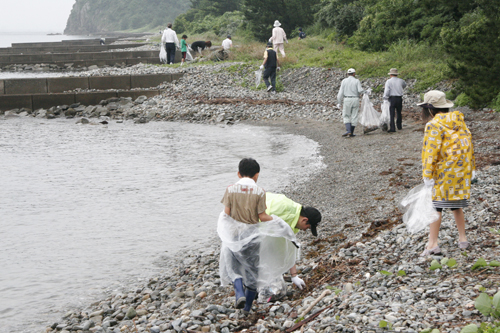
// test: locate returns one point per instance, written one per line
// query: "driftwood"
(316, 301)
(305, 321)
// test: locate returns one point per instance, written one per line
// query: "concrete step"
(66, 48)
(47, 92)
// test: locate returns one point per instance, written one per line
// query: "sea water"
(88, 208)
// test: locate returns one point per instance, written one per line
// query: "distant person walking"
(271, 64)
(170, 40)
(227, 43)
(302, 34)
(183, 48)
(278, 37)
(348, 96)
(394, 93)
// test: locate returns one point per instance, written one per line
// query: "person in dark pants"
(394, 93)
(171, 42)
(271, 64)
(199, 46)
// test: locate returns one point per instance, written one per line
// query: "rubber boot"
(352, 130)
(250, 296)
(348, 129)
(239, 294)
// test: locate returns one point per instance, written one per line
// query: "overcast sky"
(34, 15)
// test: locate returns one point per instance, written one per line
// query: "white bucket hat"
(393, 71)
(351, 70)
(436, 99)
(277, 23)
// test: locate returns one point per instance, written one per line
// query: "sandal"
(463, 245)
(427, 252)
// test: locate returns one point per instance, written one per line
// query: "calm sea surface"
(89, 208)
(7, 38)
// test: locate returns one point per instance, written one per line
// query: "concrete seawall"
(47, 92)
(66, 48)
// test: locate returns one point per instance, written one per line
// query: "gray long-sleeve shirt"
(350, 87)
(394, 87)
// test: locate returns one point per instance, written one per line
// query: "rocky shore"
(363, 262)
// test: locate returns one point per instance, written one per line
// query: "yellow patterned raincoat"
(448, 156)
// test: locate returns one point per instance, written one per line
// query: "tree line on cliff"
(97, 16)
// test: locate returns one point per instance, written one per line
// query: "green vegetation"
(94, 16)
(488, 306)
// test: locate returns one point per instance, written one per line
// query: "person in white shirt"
(170, 40)
(278, 37)
(227, 43)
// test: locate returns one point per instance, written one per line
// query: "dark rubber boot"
(250, 296)
(348, 129)
(239, 293)
(352, 130)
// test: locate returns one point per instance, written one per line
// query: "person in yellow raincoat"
(448, 164)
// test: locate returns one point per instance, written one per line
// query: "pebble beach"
(363, 271)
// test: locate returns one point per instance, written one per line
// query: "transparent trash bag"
(163, 54)
(258, 253)
(189, 57)
(369, 116)
(274, 291)
(418, 208)
(385, 118)
(258, 77)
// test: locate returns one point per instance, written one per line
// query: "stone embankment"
(363, 261)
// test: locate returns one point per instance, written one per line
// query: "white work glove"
(270, 39)
(278, 69)
(369, 91)
(473, 175)
(429, 182)
(339, 106)
(261, 67)
(287, 41)
(298, 282)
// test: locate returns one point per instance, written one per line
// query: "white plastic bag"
(257, 253)
(258, 77)
(385, 118)
(163, 54)
(189, 57)
(419, 211)
(369, 116)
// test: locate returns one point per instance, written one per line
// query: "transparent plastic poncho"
(369, 116)
(385, 118)
(418, 208)
(258, 253)
(163, 54)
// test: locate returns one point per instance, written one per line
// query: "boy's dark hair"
(313, 218)
(184, 36)
(269, 44)
(169, 25)
(248, 167)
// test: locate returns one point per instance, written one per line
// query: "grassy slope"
(414, 61)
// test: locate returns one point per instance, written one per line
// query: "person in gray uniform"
(348, 96)
(393, 92)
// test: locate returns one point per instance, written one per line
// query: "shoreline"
(360, 236)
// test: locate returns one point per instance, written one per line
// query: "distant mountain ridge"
(95, 16)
